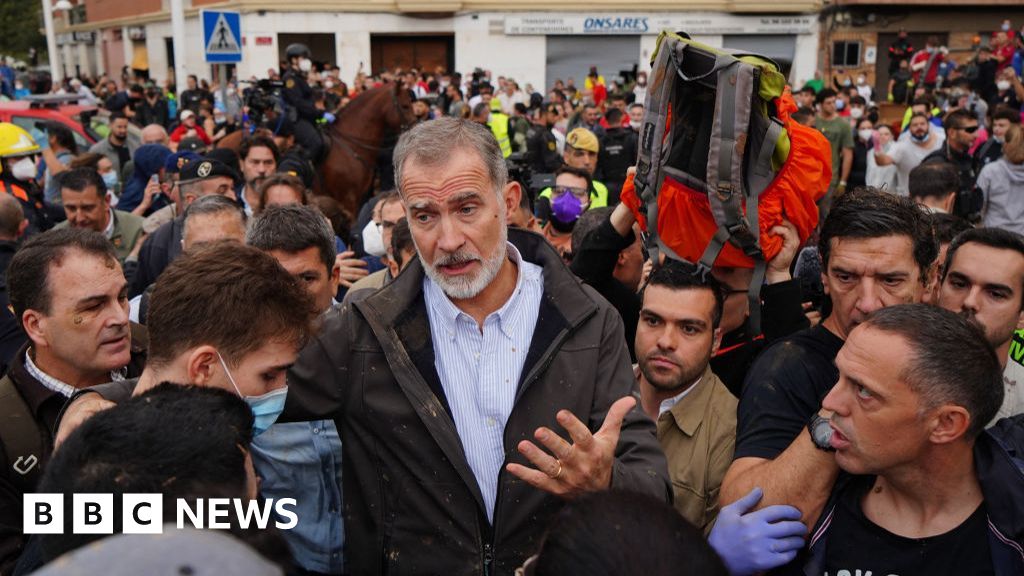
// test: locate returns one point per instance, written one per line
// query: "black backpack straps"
(761, 176)
(21, 439)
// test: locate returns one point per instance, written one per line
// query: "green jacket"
(127, 231)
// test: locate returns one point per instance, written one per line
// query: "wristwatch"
(821, 433)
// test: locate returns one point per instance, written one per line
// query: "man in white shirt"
(908, 154)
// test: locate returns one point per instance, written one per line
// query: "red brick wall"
(97, 10)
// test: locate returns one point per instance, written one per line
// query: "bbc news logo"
(144, 513)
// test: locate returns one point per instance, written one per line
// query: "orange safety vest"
(16, 191)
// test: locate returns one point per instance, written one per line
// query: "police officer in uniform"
(541, 144)
(299, 97)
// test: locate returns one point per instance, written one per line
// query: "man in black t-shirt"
(924, 489)
(192, 97)
(877, 250)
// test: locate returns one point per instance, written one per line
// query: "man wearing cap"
(581, 148)
(192, 144)
(188, 128)
(283, 132)
(198, 178)
(86, 202)
(541, 145)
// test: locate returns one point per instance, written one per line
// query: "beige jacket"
(698, 436)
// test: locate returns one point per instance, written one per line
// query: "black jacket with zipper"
(412, 503)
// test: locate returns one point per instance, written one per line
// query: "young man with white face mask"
(636, 116)
(864, 89)
(858, 110)
(640, 89)
(837, 130)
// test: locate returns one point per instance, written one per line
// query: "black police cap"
(205, 169)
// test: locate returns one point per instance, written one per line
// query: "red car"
(26, 114)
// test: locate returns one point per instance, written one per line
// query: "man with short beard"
(439, 382)
(983, 280)
(259, 157)
(118, 146)
(908, 154)
(695, 413)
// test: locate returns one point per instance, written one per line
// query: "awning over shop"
(140, 56)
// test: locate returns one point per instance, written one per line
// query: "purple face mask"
(566, 208)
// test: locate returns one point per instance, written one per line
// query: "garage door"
(388, 52)
(778, 47)
(572, 57)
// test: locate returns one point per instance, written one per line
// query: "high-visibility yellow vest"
(598, 195)
(499, 126)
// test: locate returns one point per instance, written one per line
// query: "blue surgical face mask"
(266, 408)
(917, 138)
(110, 179)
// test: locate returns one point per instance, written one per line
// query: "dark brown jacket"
(45, 406)
(412, 504)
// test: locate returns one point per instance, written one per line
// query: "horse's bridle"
(348, 140)
(402, 126)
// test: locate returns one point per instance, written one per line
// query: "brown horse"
(355, 142)
(355, 139)
(234, 139)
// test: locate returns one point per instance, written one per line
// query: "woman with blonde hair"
(1002, 184)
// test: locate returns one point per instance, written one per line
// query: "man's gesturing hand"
(577, 468)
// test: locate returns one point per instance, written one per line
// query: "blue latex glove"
(756, 541)
(329, 117)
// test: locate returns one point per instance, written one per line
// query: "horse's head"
(400, 116)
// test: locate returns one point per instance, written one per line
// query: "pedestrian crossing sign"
(222, 36)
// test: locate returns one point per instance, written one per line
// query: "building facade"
(856, 34)
(531, 41)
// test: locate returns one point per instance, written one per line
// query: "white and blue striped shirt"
(480, 370)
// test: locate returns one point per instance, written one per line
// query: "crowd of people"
(479, 373)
